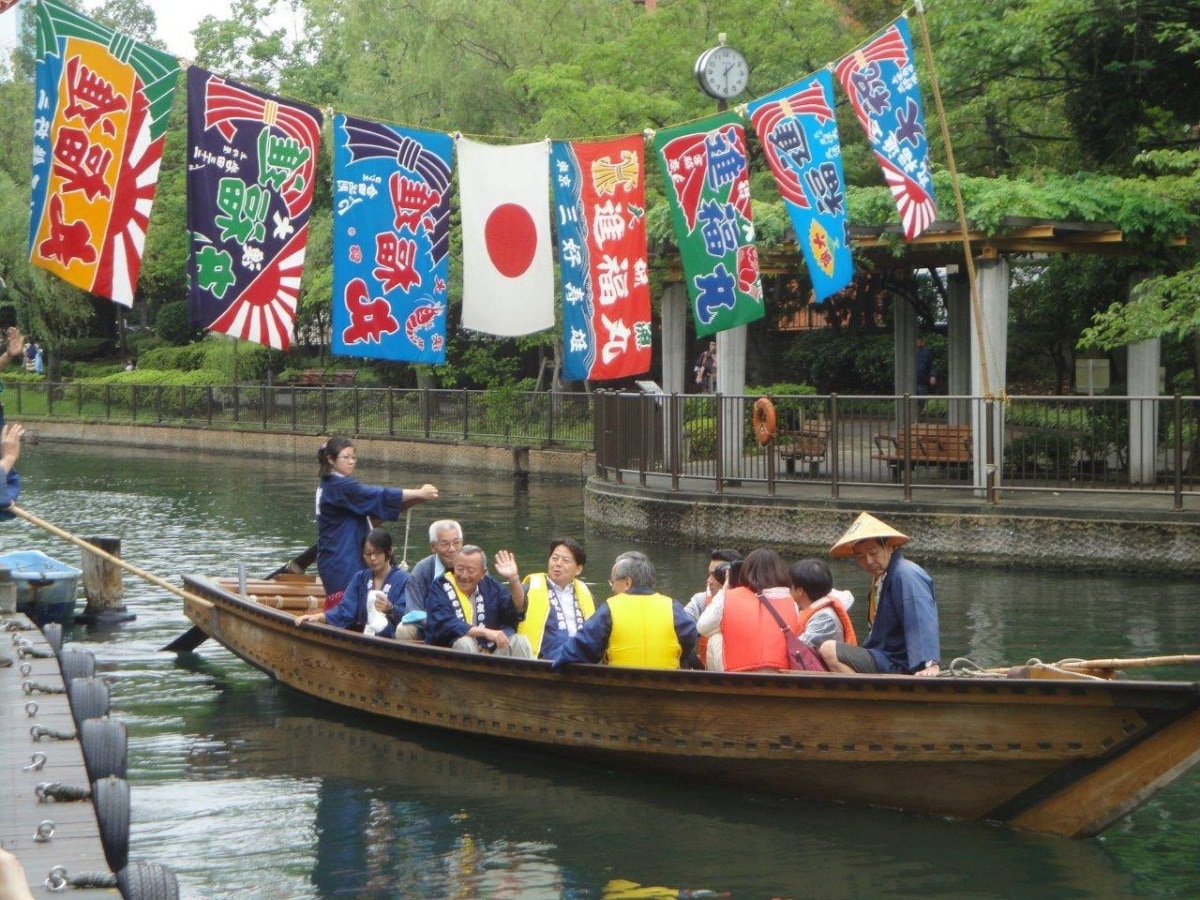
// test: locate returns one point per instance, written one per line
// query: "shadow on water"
(253, 791)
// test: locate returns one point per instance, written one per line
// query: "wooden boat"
(1060, 756)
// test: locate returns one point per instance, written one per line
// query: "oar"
(195, 636)
(116, 560)
(1140, 662)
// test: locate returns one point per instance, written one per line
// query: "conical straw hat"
(865, 527)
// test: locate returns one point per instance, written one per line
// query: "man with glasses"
(445, 540)
(637, 626)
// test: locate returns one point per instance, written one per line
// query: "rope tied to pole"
(59, 879)
(56, 790)
(37, 732)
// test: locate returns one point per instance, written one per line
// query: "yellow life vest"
(537, 608)
(643, 632)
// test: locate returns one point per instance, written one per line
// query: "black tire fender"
(110, 796)
(52, 632)
(147, 881)
(105, 747)
(89, 700)
(76, 663)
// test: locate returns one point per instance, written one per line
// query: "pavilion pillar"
(731, 385)
(990, 336)
(904, 330)
(675, 368)
(958, 341)
(1142, 361)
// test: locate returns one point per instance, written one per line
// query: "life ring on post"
(764, 420)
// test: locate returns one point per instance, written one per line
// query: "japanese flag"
(508, 270)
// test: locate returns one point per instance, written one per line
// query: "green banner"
(705, 165)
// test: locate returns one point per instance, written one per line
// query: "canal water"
(249, 790)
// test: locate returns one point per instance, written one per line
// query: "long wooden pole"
(1185, 659)
(103, 554)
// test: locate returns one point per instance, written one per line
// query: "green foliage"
(700, 435)
(173, 325)
(846, 363)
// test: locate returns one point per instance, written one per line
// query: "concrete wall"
(523, 461)
(1105, 540)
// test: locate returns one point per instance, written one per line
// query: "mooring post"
(102, 582)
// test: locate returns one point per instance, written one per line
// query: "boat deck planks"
(76, 842)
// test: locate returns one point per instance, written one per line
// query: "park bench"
(925, 444)
(321, 378)
(809, 443)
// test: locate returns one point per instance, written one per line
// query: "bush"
(700, 436)
(172, 324)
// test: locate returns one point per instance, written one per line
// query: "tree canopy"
(1063, 109)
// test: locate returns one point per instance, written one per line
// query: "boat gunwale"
(1135, 693)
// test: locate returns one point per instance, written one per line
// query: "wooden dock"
(75, 844)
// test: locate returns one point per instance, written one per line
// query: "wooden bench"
(809, 443)
(926, 444)
(321, 378)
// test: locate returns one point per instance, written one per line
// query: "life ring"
(764, 421)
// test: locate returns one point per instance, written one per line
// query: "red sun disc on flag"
(511, 239)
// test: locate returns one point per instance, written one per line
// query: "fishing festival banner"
(880, 79)
(799, 136)
(508, 266)
(391, 241)
(600, 195)
(251, 163)
(705, 166)
(100, 117)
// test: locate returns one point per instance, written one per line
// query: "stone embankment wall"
(1100, 539)
(520, 461)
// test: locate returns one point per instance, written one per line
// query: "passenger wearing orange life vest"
(637, 626)
(557, 603)
(743, 635)
(824, 610)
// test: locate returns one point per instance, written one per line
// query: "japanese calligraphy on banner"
(704, 164)
(251, 163)
(799, 136)
(391, 240)
(508, 264)
(881, 80)
(600, 199)
(100, 115)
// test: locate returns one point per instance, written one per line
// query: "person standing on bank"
(926, 375)
(901, 610)
(346, 512)
(706, 368)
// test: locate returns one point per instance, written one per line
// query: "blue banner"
(799, 135)
(391, 239)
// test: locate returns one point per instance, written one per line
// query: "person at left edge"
(557, 603)
(381, 584)
(14, 349)
(346, 511)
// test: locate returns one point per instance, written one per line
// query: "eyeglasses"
(371, 554)
(448, 545)
(612, 581)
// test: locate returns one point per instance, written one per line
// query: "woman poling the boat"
(557, 603)
(743, 636)
(378, 589)
(347, 509)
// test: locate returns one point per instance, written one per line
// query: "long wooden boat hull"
(1064, 757)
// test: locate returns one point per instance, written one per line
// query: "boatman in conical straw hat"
(901, 610)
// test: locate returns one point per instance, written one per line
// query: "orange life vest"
(848, 637)
(752, 636)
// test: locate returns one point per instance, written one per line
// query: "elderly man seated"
(472, 612)
(637, 626)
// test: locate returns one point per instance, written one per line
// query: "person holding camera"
(743, 636)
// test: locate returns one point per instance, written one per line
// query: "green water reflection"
(252, 791)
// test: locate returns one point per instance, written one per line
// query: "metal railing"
(508, 417)
(1023, 444)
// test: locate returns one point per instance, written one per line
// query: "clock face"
(722, 72)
